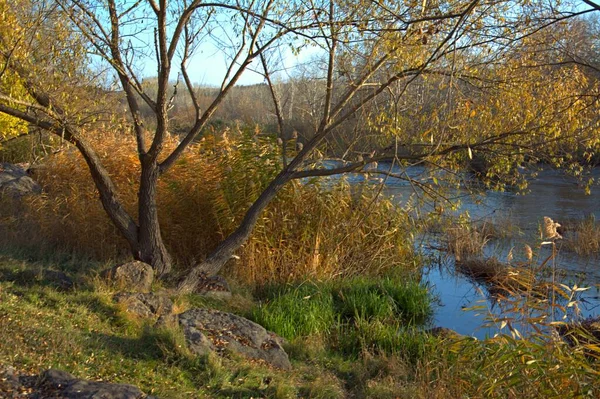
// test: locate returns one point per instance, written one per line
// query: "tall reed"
(583, 237)
(312, 229)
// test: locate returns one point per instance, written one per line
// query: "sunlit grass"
(583, 237)
(347, 347)
(202, 199)
(352, 317)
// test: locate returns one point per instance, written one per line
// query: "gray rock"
(209, 330)
(145, 304)
(134, 276)
(56, 379)
(57, 384)
(60, 384)
(214, 287)
(198, 342)
(9, 380)
(15, 181)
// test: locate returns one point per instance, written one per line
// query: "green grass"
(297, 311)
(383, 299)
(354, 338)
(83, 332)
(377, 337)
(352, 316)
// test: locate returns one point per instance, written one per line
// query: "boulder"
(152, 305)
(15, 181)
(134, 276)
(214, 287)
(167, 320)
(57, 384)
(208, 330)
(9, 381)
(60, 384)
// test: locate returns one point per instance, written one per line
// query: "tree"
(367, 49)
(10, 127)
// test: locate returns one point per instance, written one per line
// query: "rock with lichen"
(208, 330)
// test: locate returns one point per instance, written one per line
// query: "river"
(551, 194)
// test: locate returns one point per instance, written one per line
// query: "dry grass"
(500, 226)
(69, 215)
(584, 334)
(202, 199)
(483, 269)
(549, 229)
(498, 276)
(465, 240)
(531, 361)
(504, 367)
(583, 237)
(295, 238)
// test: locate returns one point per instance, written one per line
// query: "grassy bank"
(83, 332)
(353, 338)
(329, 267)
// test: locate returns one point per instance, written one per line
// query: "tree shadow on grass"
(105, 311)
(158, 345)
(47, 258)
(28, 277)
(144, 347)
(242, 393)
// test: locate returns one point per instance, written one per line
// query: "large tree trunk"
(151, 246)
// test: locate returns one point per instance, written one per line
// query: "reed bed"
(203, 198)
(583, 236)
(498, 276)
(465, 240)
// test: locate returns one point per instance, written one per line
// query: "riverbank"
(83, 332)
(344, 340)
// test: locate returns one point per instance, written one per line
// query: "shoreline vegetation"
(360, 337)
(355, 317)
(226, 241)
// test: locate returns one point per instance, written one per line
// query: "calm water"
(550, 194)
